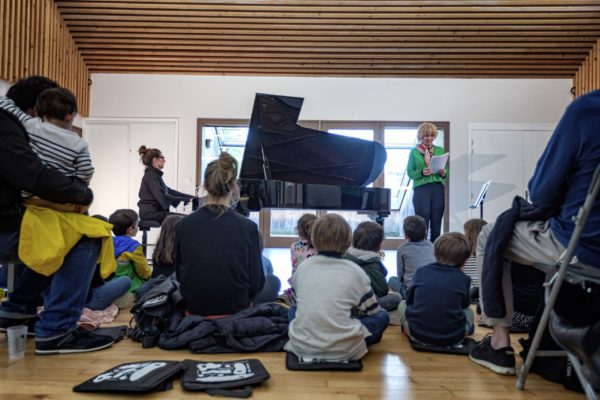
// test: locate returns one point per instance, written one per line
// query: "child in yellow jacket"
(129, 254)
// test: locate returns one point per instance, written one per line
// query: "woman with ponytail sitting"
(217, 252)
(155, 195)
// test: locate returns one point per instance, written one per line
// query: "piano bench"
(145, 227)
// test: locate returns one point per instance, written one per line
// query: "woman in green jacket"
(428, 185)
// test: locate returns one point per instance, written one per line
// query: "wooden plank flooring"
(392, 370)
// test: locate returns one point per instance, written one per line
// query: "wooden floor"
(392, 370)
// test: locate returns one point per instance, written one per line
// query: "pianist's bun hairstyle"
(304, 226)
(147, 155)
(220, 176)
(332, 233)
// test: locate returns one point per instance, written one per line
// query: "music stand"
(480, 198)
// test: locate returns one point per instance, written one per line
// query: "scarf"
(427, 152)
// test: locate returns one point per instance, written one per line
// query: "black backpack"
(157, 302)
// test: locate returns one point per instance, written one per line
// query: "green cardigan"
(416, 164)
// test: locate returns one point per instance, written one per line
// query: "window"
(278, 226)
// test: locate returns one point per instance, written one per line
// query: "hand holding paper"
(438, 162)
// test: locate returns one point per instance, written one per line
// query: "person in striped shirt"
(51, 138)
(472, 228)
(336, 315)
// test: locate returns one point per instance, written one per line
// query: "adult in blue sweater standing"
(559, 185)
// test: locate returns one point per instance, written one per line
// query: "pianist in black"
(155, 195)
(217, 252)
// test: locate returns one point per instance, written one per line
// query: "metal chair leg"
(587, 388)
(524, 370)
(144, 241)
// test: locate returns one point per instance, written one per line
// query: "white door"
(114, 145)
(506, 155)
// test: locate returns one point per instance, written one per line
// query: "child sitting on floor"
(329, 291)
(162, 256)
(302, 248)
(472, 228)
(412, 254)
(437, 311)
(366, 243)
(131, 260)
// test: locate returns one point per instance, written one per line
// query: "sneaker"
(501, 361)
(29, 321)
(77, 341)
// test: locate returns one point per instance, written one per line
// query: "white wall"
(4, 85)
(460, 101)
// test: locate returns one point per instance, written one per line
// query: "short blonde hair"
(331, 232)
(425, 128)
(452, 249)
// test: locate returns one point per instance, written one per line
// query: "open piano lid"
(278, 148)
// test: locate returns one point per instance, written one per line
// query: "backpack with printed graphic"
(134, 377)
(224, 378)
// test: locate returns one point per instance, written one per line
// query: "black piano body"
(256, 194)
(287, 166)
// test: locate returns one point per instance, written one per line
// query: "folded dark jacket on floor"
(256, 329)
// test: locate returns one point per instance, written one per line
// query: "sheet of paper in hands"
(438, 162)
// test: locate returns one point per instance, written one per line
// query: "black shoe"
(29, 322)
(77, 341)
(501, 361)
(570, 338)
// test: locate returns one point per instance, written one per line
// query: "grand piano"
(288, 166)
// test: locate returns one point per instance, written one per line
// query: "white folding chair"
(570, 269)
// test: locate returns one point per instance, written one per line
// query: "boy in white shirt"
(329, 292)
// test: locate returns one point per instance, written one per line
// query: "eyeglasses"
(161, 157)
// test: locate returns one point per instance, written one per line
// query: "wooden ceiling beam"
(194, 59)
(337, 13)
(175, 31)
(329, 72)
(340, 47)
(335, 3)
(293, 55)
(588, 19)
(98, 37)
(292, 26)
(323, 42)
(365, 66)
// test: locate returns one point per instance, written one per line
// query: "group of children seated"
(341, 299)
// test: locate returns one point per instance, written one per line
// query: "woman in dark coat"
(155, 195)
(217, 252)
